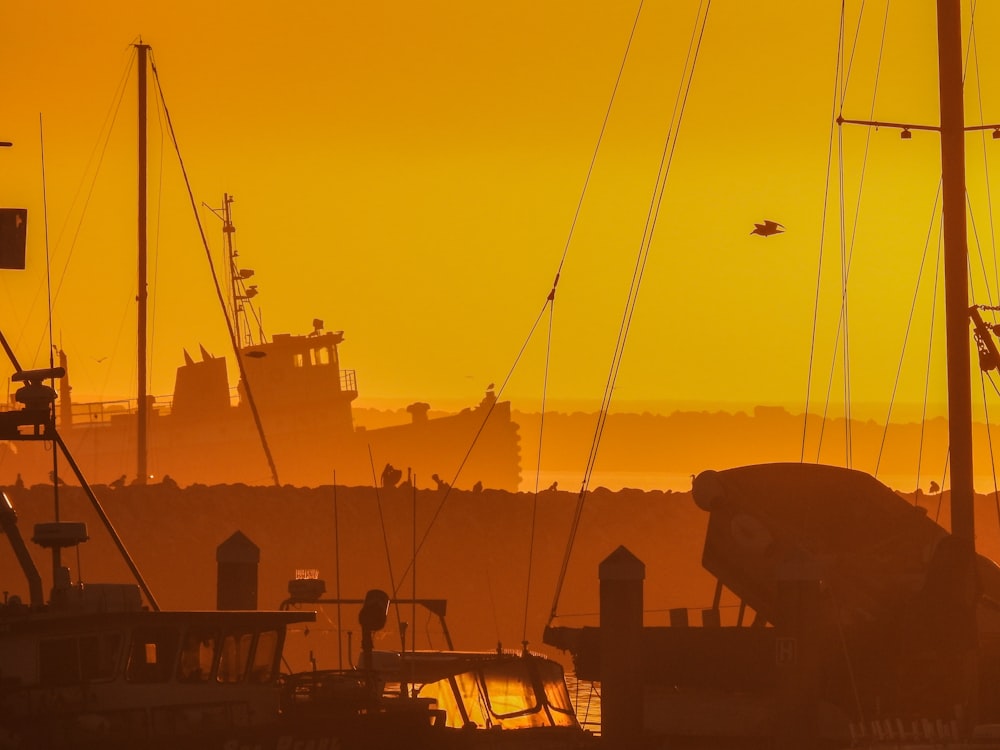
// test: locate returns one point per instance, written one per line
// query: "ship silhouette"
(206, 435)
(206, 432)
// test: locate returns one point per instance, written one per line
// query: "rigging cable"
(156, 247)
(110, 118)
(847, 255)
(974, 51)
(666, 159)
(215, 280)
(448, 486)
(909, 324)
(844, 320)
(822, 242)
(930, 358)
(538, 467)
(551, 295)
(885, 429)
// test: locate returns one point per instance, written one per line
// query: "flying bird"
(768, 228)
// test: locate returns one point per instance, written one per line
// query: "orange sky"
(408, 172)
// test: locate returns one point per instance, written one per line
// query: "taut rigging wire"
(99, 150)
(215, 280)
(846, 252)
(666, 159)
(822, 241)
(909, 324)
(930, 351)
(538, 468)
(551, 295)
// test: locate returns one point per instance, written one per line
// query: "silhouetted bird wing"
(767, 228)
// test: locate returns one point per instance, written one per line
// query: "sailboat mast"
(949, 15)
(142, 414)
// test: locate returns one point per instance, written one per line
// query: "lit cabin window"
(264, 656)
(297, 360)
(151, 655)
(324, 356)
(234, 656)
(197, 655)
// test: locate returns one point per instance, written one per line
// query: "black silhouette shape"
(768, 228)
(391, 476)
(934, 488)
(118, 483)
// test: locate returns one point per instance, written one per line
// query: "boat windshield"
(515, 694)
(197, 654)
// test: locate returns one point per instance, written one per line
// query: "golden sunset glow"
(409, 173)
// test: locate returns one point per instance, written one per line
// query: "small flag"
(13, 234)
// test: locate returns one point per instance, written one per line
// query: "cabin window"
(99, 656)
(152, 654)
(264, 656)
(59, 661)
(234, 656)
(297, 360)
(66, 661)
(197, 655)
(323, 356)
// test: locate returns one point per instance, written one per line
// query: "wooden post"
(621, 576)
(797, 654)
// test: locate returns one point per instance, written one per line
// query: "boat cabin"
(136, 674)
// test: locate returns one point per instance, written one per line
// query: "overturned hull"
(854, 607)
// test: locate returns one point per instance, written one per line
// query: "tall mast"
(949, 13)
(142, 413)
(964, 633)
